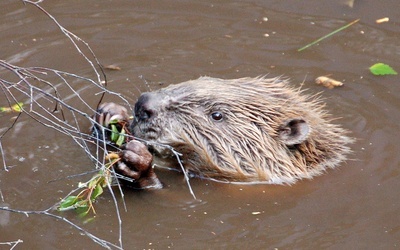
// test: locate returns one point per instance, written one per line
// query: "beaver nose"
(143, 111)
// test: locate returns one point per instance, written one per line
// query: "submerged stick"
(328, 35)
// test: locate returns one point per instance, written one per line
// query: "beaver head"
(249, 129)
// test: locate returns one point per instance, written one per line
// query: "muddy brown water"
(354, 206)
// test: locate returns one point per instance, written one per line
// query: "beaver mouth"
(146, 131)
(151, 134)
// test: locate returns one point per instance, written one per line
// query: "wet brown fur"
(252, 142)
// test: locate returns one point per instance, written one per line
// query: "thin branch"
(40, 93)
(13, 244)
(46, 212)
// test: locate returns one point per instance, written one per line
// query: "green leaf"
(115, 121)
(114, 133)
(82, 211)
(88, 220)
(121, 138)
(98, 190)
(17, 107)
(382, 69)
(68, 203)
(93, 182)
(82, 204)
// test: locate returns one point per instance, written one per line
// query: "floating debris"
(328, 82)
(112, 67)
(382, 20)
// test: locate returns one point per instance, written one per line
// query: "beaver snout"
(143, 108)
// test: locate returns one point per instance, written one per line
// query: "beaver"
(241, 130)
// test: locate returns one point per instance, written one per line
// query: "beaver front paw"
(107, 114)
(136, 163)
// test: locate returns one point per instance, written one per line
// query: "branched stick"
(72, 37)
(33, 88)
(25, 86)
(46, 212)
(13, 244)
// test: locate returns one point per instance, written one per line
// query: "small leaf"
(67, 203)
(82, 211)
(98, 190)
(82, 204)
(113, 121)
(382, 69)
(5, 109)
(17, 107)
(93, 182)
(104, 179)
(88, 220)
(114, 133)
(121, 138)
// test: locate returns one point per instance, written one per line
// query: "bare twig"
(47, 212)
(72, 37)
(13, 244)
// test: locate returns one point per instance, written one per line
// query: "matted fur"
(246, 144)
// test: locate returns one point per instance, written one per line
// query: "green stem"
(328, 35)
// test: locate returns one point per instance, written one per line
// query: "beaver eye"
(217, 116)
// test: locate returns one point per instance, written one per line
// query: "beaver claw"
(106, 113)
(136, 164)
(135, 160)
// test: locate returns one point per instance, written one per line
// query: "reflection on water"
(354, 206)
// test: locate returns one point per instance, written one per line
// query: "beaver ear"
(294, 131)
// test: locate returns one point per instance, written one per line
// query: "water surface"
(353, 206)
